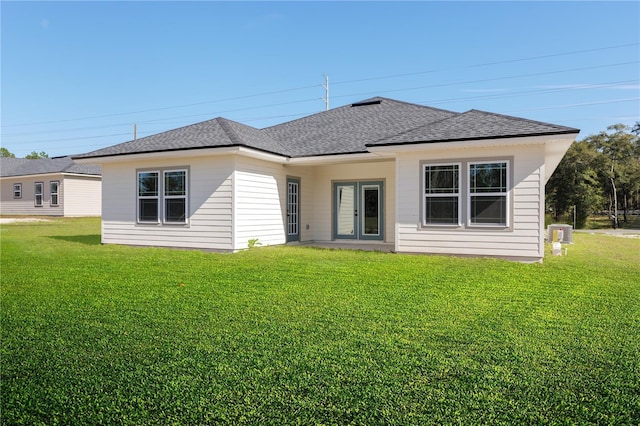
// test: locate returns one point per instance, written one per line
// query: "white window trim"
(425, 195)
(161, 197)
(18, 191)
(57, 193)
(505, 194)
(175, 197)
(35, 194)
(146, 197)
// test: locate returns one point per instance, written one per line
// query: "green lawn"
(97, 334)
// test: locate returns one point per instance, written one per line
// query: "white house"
(49, 187)
(380, 171)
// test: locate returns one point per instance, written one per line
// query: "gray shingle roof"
(25, 167)
(216, 133)
(348, 129)
(474, 125)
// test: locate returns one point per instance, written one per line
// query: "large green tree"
(619, 167)
(601, 172)
(35, 155)
(576, 183)
(4, 152)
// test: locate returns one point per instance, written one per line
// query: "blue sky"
(76, 76)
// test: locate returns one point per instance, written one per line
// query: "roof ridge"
(349, 105)
(226, 125)
(228, 130)
(415, 104)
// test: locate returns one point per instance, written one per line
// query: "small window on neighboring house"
(55, 185)
(17, 190)
(488, 189)
(38, 190)
(441, 194)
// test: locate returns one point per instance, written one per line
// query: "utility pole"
(326, 92)
(135, 131)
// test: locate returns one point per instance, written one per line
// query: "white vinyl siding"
(210, 205)
(81, 195)
(522, 239)
(78, 195)
(260, 202)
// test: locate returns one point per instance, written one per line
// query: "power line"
(487, 64)
(489, 79)
(431, 102)
(612, 101)
(162, 108)
(529, 92)
(317, 85)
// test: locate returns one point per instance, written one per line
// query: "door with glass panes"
(358, 210)
(293, 209)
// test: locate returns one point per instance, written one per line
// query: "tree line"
(4, 152)
(600, 173)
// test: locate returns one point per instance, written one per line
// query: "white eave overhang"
(335, 159)
(185, 153)
(57, 174)
(465, 144)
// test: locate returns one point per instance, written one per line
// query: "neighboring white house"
(380, 171)
(49, 187)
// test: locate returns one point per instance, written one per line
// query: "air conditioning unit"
(560, 233)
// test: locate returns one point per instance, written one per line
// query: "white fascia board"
(81, 175)
(455, 145)
(261, 155)
(185, 153)
(332, 159)
(38, 175)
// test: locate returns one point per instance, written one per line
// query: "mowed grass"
(96, 334)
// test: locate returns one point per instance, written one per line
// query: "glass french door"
(358, 210)
(293, 209)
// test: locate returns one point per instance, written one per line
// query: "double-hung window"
(162, 196)
(55, 186)
(148, 197)
(175, 196)
(17, 190)
(38, 191)
(441, 194)
(488, 189)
